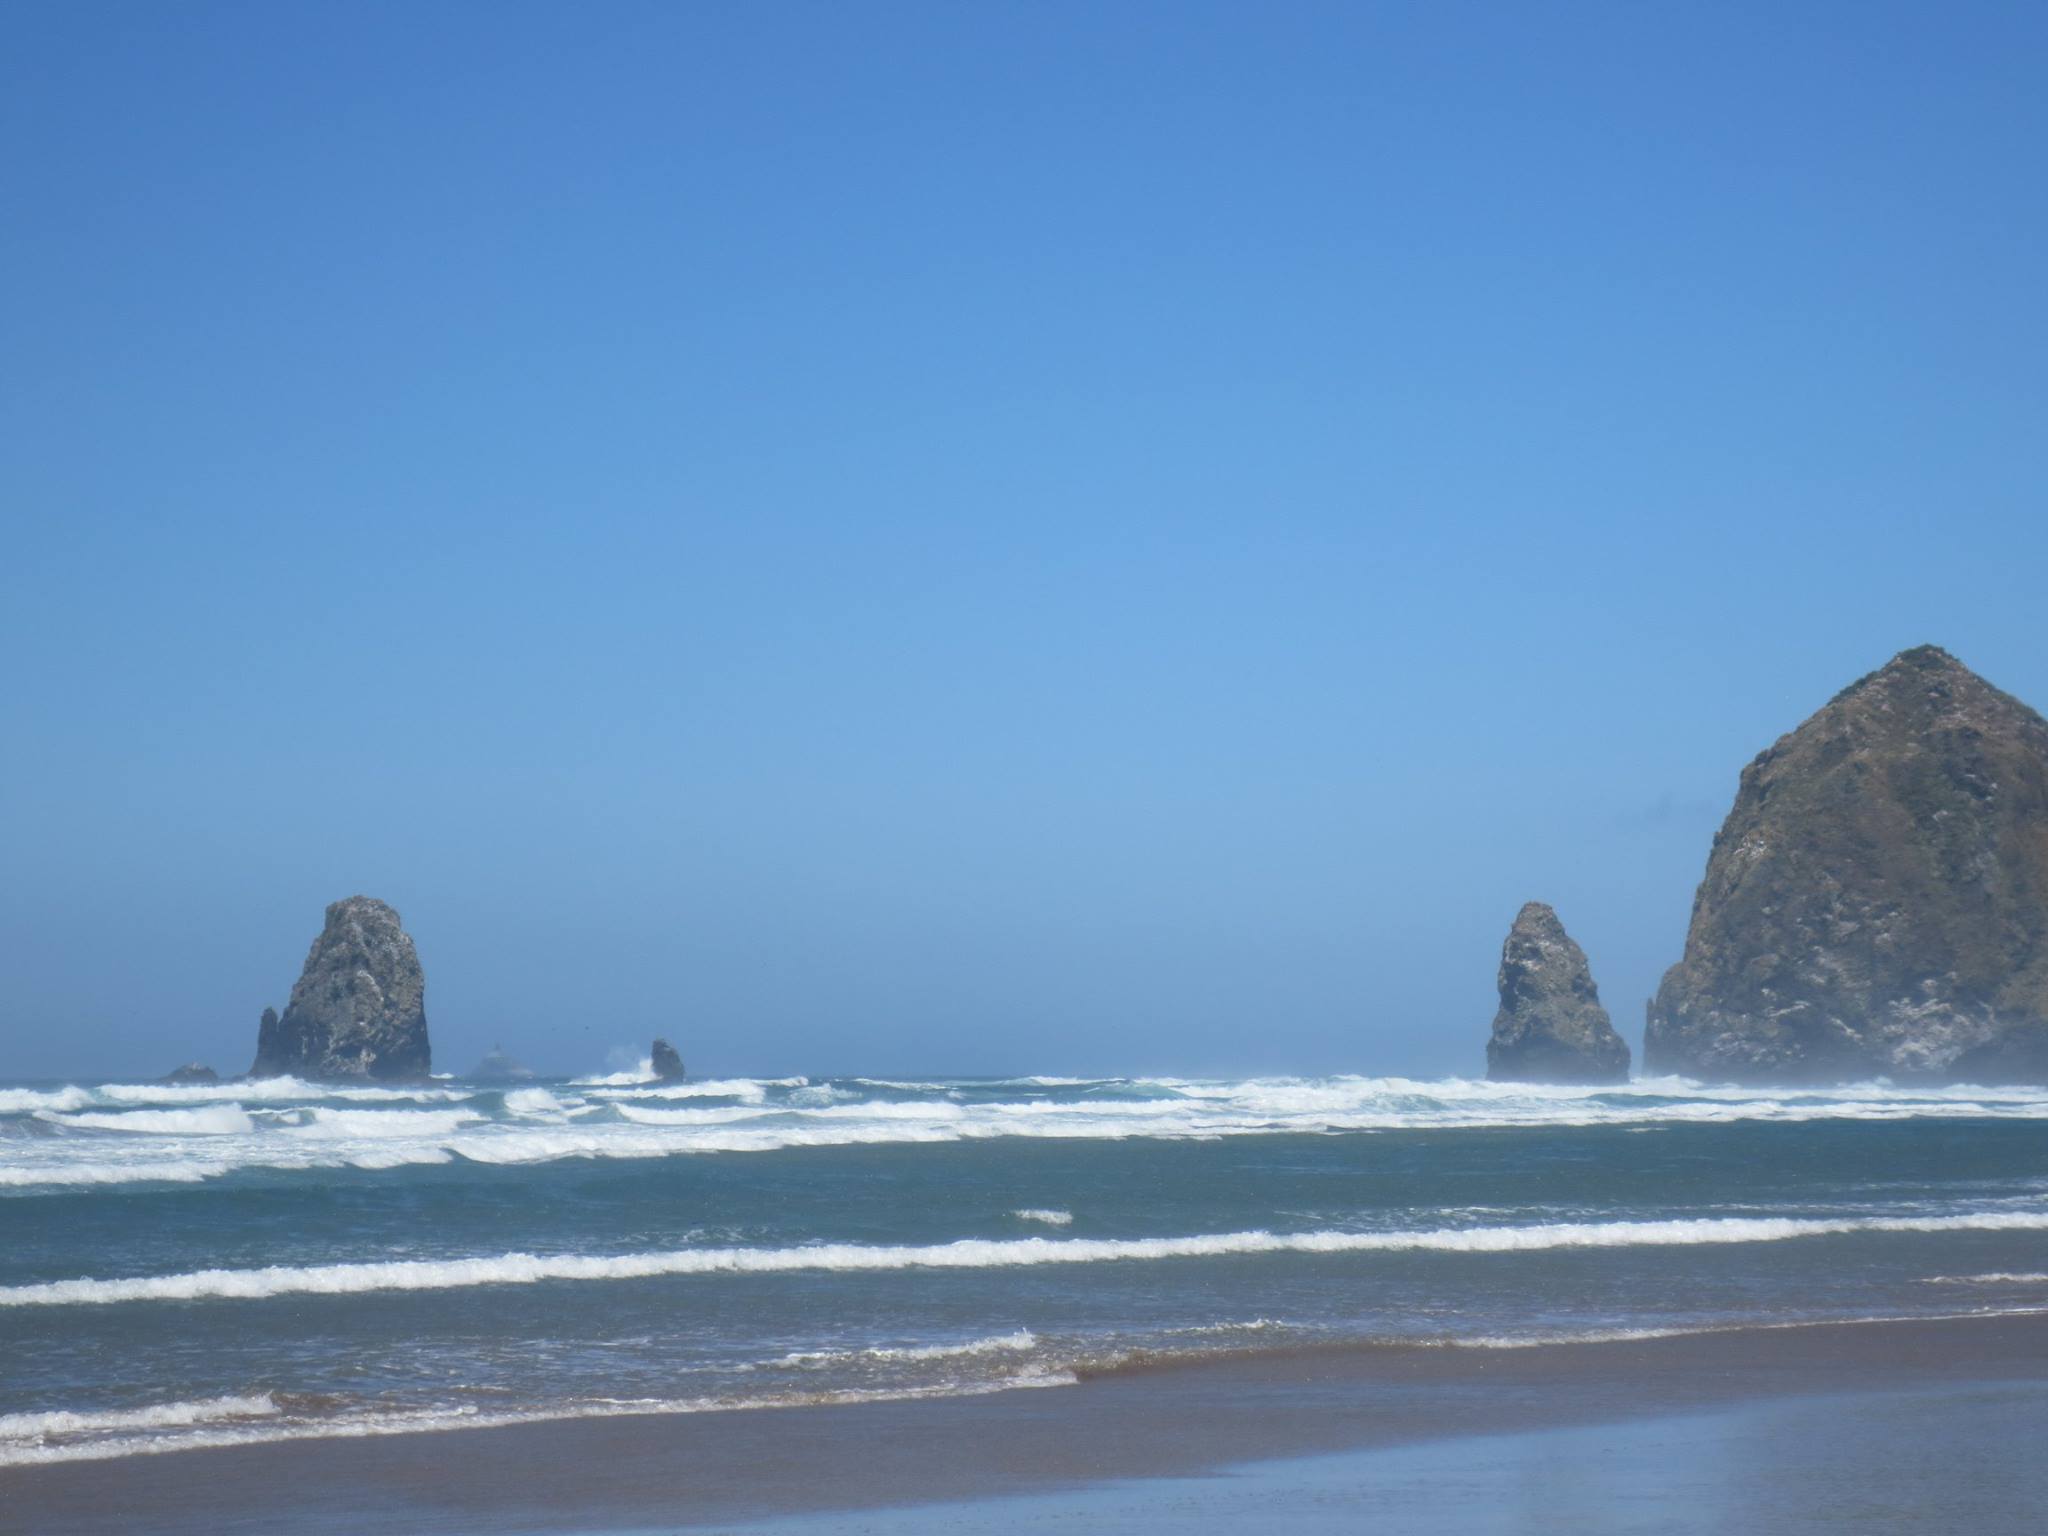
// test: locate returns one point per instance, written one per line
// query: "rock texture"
(1551, 1027)
(1876, 904)
(359, 1009)
(191, 1072)
(668, 1066)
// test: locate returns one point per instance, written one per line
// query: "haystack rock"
(1551, 1027)
(359, 1009)
(1876, 904)
(667, 1065)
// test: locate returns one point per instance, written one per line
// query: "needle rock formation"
(1551, 1027)
(359, 1009)
(1876, 904)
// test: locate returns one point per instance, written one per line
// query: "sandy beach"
(1126, 1441)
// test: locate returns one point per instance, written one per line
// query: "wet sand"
(1168, 1421)
(1936, 1460)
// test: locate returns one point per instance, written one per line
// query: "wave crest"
(967, 1253)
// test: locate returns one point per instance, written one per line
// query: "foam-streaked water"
(198, 1265)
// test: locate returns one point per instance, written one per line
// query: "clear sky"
(970, 537)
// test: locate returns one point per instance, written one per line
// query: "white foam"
(378, 1123)
(1695, 1330)
(272, 1090)
(898, 1085)
(1050, 1218)
(442, 1420)
(967, 1253)
(378, 1158)
(1022, 1340)
(1040, 1081)
(722, 1114)
(644, 1074)
(1995, 1277)
(61, 1175)
(214, 1120)
(534, 1101)
(43, 1426)
(1249, 1325)
(21, 1101)
(746, 1089)
(286, 1124)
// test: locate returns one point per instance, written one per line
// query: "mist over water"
(192, 1265)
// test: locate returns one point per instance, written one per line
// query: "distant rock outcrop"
(668, 1066)
(359, 1009)
(1551, 1027)
(497, 1067)
(191, 1072)
(1876, 903)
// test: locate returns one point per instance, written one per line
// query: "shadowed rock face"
(1551, 1027)
(359, 1009)
(668, 1066)
(1876, 904)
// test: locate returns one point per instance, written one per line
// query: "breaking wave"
(44, 1426)
(216, 1120)
(88, 1137)
(967, 1253)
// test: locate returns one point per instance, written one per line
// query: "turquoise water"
(184, 1266)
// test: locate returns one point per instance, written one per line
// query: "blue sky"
(970, 537)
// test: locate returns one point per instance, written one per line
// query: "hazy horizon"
(970, 540)
(579, 1046)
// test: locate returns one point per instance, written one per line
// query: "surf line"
(968, 1253)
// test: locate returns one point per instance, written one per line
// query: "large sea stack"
(359, 1009)
(1551, 1027)
(1876, 904)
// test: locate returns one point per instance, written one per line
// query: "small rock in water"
(192, 1072)
(497, 1067)
(668, 1066)
(1551, 1027)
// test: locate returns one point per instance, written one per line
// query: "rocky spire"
(1551, 1027)
(359, 1009)
(1876, 903)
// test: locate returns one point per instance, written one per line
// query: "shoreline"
(1147, 1420)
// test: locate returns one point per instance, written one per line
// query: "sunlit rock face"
(1876, 904)
(359, 1008)
(1551, 1027)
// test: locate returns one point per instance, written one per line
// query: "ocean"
(187, 1266)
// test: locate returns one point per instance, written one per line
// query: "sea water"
(194, 1265)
